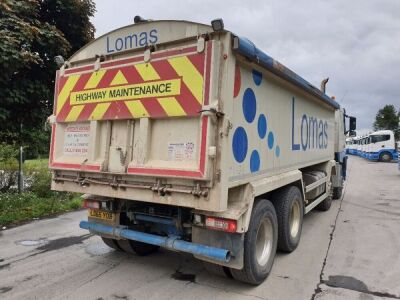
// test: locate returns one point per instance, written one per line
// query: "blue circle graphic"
(257, 77)
(239, 144)
(277, 151)
(254, 161)
(249, 105)
(262, 126)
(270, 140)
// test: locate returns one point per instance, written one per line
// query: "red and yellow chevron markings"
(167, 87)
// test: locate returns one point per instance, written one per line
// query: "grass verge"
(30, 164)
(16, 208)
(37, 200)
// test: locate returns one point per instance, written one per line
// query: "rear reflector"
(221, 224)
(91, 204)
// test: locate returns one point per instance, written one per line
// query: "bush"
(8, 166)
(8, 153)
(40, 182)
(75, 203)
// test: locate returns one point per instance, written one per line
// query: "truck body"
(193, 139)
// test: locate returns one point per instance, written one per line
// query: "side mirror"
(353, 123)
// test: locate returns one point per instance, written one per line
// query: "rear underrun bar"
(169, 242)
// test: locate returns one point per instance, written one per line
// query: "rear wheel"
(217, 269)
(385, 157)
(111, 243)
(139, 248)
(326, 204)
(260, 243)
(126, 247)
(289, 207)
(337, 192)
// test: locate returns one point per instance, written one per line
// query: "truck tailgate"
(135, 117)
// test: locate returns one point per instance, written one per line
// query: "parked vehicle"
(358, 146)
(378, 146)
(364, 146)
(349, 143)
(398, 153)
(189, 137)
(352, 145)
(382, 146)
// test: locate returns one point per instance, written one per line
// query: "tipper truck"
(188, 137)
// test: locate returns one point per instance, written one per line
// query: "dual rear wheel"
(260, 244)
(273, 225)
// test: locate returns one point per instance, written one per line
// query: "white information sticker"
(181, 151)
(76, 139)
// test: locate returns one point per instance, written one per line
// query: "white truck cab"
(382, 146)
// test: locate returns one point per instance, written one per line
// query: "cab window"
(380, 138)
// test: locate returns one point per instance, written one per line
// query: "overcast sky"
(355, 43)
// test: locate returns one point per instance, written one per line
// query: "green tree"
(387, 118)
(32, 33)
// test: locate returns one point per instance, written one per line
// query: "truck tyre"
(141, 249)
(260, 243)
(217, 269)
(385, 157)
(125, 246)
(111, 243)
(289, 208)
(326, 204)
(337, 192)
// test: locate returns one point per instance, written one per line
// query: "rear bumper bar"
(170, 242)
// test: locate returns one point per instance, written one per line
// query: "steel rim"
(264, 241)
(294, 219)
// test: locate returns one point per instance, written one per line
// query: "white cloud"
(355, 43)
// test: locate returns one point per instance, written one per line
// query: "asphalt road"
(350, 252)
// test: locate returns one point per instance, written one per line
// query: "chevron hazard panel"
(168, 86)
(167, 94)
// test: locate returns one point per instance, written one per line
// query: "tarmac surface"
(350, 252)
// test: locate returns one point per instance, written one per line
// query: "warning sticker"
(76, 139)
(181, 151)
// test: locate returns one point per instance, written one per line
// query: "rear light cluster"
(91, 204)
(221, 224)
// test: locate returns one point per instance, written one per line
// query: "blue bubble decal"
(270, 140)
(277, 151)
(262, 126)
(257, 77)
(239, 144)
(254, 161)
(249, 105)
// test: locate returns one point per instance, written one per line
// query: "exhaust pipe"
(323, 84)
(170, 242)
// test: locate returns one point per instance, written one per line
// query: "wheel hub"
(294, 219)
(264, 242)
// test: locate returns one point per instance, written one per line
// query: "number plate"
(103, 215)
